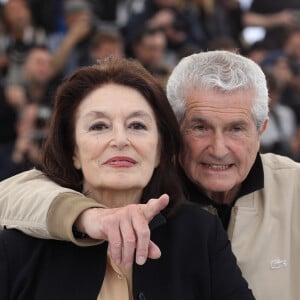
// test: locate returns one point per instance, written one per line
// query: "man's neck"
(224, 197)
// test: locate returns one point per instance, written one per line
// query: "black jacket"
(196, 263)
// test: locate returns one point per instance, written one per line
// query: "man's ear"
(263, 127)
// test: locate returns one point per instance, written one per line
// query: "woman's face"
(116, 139)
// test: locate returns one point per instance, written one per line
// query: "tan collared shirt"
(117, 283)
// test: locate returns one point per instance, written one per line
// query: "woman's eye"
(98, 127)
(137, 126)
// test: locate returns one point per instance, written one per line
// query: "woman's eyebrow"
(95, 114)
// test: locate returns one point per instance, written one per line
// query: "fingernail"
(140, 260)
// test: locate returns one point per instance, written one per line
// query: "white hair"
(221, 70)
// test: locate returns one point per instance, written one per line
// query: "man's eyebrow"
(197, 119)
(239, 122)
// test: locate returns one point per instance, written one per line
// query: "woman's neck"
(114, 198)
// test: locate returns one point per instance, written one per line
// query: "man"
(221, 102)
(71, 48)
(19, 37)
(32, 98)
(150, 48)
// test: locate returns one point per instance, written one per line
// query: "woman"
(114, 136)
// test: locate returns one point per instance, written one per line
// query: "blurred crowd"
(42, 42)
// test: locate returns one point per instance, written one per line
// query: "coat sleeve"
(32, 203)
(227, 279)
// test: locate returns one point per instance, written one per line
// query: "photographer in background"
(149, 48)
(182, 29)
(31, 100)
(71, 48)
(280, 135)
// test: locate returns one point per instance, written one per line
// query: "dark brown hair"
(58, 151)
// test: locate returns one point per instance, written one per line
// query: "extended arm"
(284, 18)
(32, 203)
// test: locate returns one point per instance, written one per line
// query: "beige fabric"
(25, 200)
(29, 198)
(117, 283)
(265, 232)
(62, 214)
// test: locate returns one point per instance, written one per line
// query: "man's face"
(17, 14)
(292, 46)
(38, 66)
(220, 141)
(150, 50)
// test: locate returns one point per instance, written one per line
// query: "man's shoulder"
(278, 162)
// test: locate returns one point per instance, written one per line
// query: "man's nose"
(218, 145)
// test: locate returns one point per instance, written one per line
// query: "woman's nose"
(120, 138)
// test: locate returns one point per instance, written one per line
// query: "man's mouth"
(217, 167)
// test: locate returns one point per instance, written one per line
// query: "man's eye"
(98, 127)
(236, 129)
(137, 126)
(199, 127)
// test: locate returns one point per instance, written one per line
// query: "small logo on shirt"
(278, 263)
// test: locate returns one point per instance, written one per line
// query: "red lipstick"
(120, 162)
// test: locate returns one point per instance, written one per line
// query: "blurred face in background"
(166, 3)
(106, 49)
(17, 14)
(38, 66)
(292, 46)
(150, 49)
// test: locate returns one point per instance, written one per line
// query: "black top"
(8, 119)
(196, 263)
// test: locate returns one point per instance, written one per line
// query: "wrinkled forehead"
(218, 102)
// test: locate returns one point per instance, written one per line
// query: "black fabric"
(8, 119)
(205, 269)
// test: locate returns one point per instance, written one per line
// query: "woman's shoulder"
(14, 243)
(194, 218)
(194, 212)
(13, 236)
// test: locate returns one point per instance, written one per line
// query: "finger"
(142, 232)
(154, 206)
(129, 242)
(115, 244)
(153, 251)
